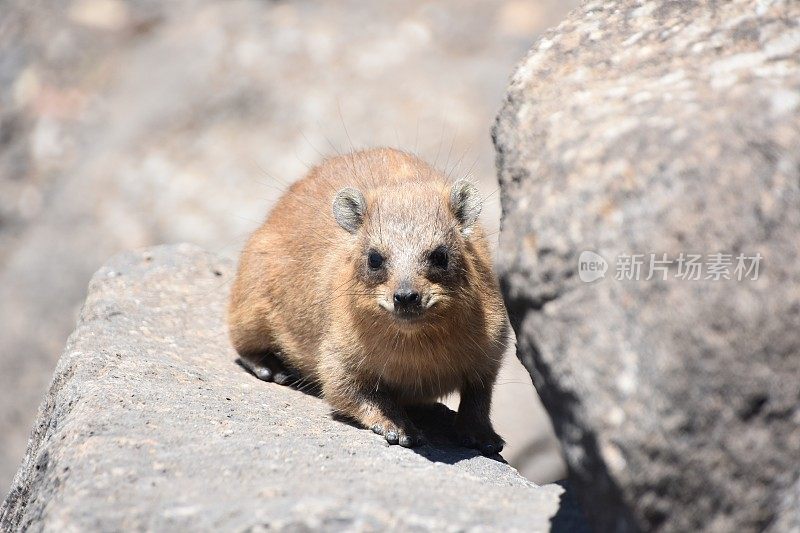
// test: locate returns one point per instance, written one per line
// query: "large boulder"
(659, 128)
(150, 425)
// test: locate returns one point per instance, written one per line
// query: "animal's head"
(410, 259)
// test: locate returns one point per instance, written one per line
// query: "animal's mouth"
(408, 315)
(403, 314)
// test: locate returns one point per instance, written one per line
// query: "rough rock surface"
(149, 424)
(662, 128)
(127, 123)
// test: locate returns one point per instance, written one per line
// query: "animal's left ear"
(465, 203)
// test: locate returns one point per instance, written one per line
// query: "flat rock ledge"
(149, 424)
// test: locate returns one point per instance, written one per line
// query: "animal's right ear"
(349, 207)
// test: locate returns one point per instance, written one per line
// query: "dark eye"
(439, 258)
(375, 260)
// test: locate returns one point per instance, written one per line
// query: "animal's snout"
(406, 298)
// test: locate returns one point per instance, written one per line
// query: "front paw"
(480, 437)
(407, 436)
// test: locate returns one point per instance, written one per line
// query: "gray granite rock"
(662, 128)
(150, 425)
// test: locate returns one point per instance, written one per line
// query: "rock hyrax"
(372, 279)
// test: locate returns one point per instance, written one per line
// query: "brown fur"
(305, 297)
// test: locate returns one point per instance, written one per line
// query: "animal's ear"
(465, 203)
(349, 207)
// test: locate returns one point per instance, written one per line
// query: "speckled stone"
(150, 425)
(662, 127)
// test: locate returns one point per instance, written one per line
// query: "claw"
(485, 440)
(282, 378)
(490, 449)
(263, 373)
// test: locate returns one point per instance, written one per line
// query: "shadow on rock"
(436, 422)
(570, 517)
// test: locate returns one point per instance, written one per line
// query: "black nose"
(406, 298)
